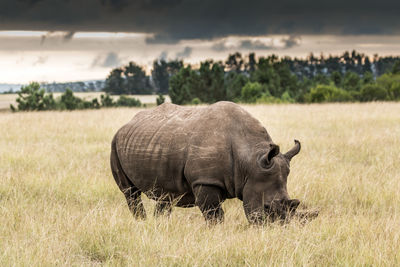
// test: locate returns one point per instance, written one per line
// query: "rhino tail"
(131, 192)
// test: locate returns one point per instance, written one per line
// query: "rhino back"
(152, 148)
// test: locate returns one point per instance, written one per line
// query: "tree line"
(248, 79)
(349, 77)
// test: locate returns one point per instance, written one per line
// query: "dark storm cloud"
(65, 37)
(291, 41)
(171, 21)
(163, 55)
(220, 46)
(252, 45)
(255, 45)
(68, 36)
(111, 60)
(248, 44)
(187, 51)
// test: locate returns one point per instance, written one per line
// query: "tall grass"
(59, 204)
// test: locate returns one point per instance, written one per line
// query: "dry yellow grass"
(59, 204)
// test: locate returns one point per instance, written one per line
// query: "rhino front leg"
(209, 200)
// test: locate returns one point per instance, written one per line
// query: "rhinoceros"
(201, 156)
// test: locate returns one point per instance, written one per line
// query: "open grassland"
(59, 204)
(7, 99)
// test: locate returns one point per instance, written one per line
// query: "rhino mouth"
(281, 210)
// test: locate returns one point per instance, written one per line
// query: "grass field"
(7, 99)
(59, 204)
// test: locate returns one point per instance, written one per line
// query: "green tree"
(211, 86)
(162, 72)
(160, 75)
(136, 81)
(396, 67)
(288, 82)
(251, 92)
(336, 78)
(130, 79)
(265, 74)
(351, 81)
(234, 62)
(234, 83)
(32, 97)
(251, 65)
(180, 86)
(321, 79)
(115, 82)
(367, 65)
(368, 77)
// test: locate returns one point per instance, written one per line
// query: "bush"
(373, 92)
(396, 67)
(286, 98)
(196, 101)
(328, 93)
(160, 99)
(251, 92)
(351, 81)
(125, 101)
(394, 91)
(391, 83)
(94, 104)
(32, 97)
(69, 101)
(106, 101)
(267, 98)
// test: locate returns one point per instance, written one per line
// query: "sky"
(71, 40)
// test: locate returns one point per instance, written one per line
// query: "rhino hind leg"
(163, 208)
(135, 204)
(131, 192)
(209, 200)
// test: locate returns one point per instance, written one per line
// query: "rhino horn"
(294, 151)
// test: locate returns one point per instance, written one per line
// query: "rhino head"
(265, 196)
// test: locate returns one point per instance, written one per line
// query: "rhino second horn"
(294, 151)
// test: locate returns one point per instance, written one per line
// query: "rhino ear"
(266, 159)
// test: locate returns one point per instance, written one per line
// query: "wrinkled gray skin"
(200, 156)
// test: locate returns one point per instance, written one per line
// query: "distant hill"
(5, 87)
(84, 86)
